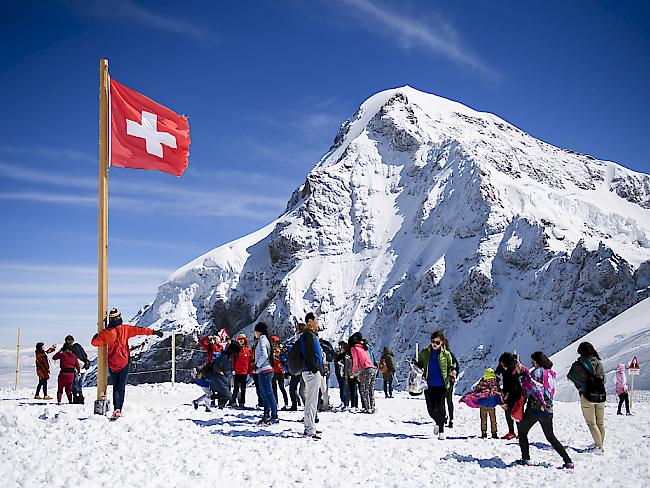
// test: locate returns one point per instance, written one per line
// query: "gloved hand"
(158, 333)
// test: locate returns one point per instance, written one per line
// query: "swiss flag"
(146, 135)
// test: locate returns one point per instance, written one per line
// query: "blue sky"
(265, 86)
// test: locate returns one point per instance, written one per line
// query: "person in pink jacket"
(364, 368)
(621, 390)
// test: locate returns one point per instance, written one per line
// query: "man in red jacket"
(116, 337)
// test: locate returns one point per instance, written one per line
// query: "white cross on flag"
(145, 134)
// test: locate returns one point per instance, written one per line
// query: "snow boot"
(450, 425)
(483, 435)
(494, 435)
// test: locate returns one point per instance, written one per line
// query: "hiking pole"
(17, 359)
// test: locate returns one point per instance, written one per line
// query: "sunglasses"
(436, 342)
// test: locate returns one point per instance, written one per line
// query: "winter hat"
(114, 318)
(275, 339)
(242, 336)
(39, 345)
(621, 367)
(262, 328)
(489, 374)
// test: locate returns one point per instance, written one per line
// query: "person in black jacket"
(343, 369)
(511, 389)
(77, 384)
(449, 395)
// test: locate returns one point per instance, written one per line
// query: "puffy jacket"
(43, 364)
(68, 360)
(263, 355)
(210, 348)
(241, 362)
(360, 359)
(621, 380)
(117, 341)
(446, 364)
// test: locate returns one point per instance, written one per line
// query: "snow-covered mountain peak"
(428, 214)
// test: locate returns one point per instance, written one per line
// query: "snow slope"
(426, 214)
(162, 441)
(617, 341)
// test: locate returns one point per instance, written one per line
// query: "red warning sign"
(634, 366)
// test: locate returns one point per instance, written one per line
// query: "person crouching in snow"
(69, 365)
(218, 373)
(198, 375)
(116, 337)
(42, 370)
(486, 395)
(621, 390)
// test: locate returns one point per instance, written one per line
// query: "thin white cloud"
(49, 153)
(131, 11)
(441, 38)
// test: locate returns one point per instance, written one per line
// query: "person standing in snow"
(77, 384)
(437, 364)
(325, 371)
(511, 389)
(264, 370)
(588, 376)
(539, 387)
(387, 369)
(241, 366)
(296, 379)
(343, 370)
(621, 390)
(486, 395)
(69, 365)
(42, 370)
(364, 369)
(278, 372)
(116, 337)
(449, 395)
(312, 353)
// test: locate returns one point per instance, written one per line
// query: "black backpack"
(595, 387)
(295, 361)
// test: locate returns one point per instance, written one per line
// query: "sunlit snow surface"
(162, 441)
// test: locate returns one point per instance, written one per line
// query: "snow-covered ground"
(162, 441)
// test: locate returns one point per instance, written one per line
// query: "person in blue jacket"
(312, 353)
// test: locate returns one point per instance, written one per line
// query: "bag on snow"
(295, 361)
(415, 383)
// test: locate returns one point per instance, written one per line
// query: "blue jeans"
(344, 390)
(266, 392)
(118, 379)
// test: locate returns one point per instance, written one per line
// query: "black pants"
(294, 383)
(531, 417)
(449, 397)
(354, 392)
(388, 387)
(435, 397)
(43, 383)
(510, 421)
(278, 382)
(623, 397)
(239, 389)
(118, 379)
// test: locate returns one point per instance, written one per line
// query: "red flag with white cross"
(145, 134)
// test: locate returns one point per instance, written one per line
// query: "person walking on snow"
(449, 395)
(43, 370)
(387, 370)
(588, 376)
(538, 386)
(69, 365)
(486, 395)
(312, 354)
(116, 338)
(437, 364)
(511, 389)
(621, 390)
(264, 370)
(364, 369)
(77, 385)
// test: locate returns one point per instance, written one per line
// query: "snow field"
(162, 441)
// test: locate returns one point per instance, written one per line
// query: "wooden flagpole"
(102, 241)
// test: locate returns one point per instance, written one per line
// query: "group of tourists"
(303, 360)
(70, 377)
